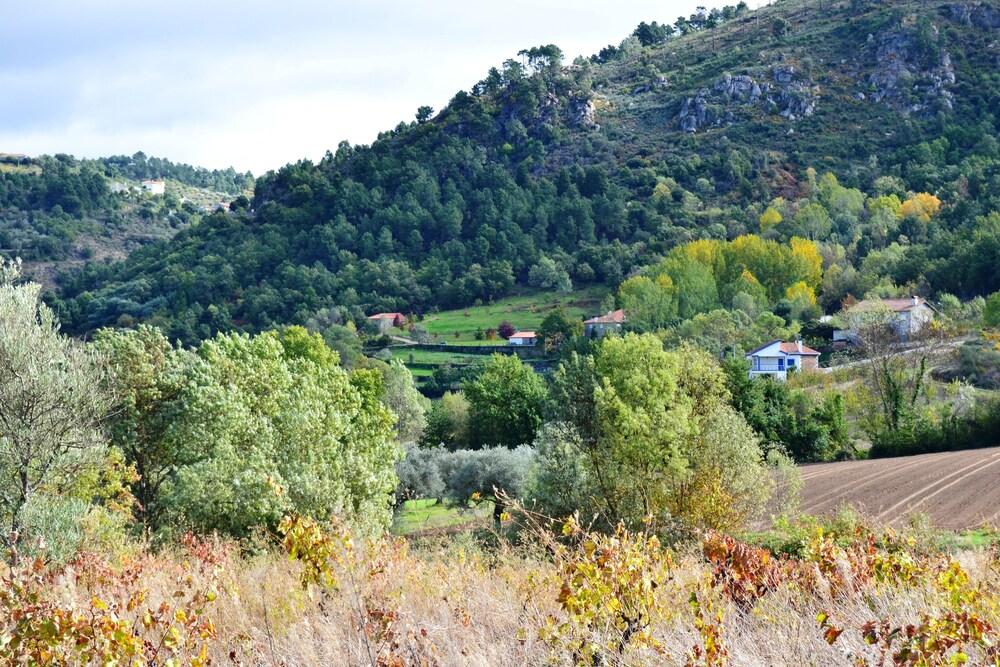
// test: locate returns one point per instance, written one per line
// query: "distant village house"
(597, 327)
(523, 338)
(777, 358)
(909, 316)
(154, 186)
(386, 321)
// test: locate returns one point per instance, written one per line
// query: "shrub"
(980, 427)
(991, 310)
(506, 330)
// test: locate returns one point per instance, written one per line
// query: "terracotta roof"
(798, 348)
(895, 305)
(385, 316)
(787, 348)
(523, 334)
(612, 317)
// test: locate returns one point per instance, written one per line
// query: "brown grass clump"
(562, 598)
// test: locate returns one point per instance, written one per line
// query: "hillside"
(545, 172)
(57, 212)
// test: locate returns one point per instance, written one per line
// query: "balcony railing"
(762, 366)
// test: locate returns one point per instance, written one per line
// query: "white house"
(154, 187)
(525, 338)
(909, 316)
(777, 358)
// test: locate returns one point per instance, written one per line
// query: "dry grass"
(452, 602)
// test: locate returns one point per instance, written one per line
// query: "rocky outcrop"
(787, 94)
(741, 88)
(980, 15)
(696, 113)
(911, 79)
(583, 113)
(795, 98)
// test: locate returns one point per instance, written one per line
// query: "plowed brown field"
(956, 489)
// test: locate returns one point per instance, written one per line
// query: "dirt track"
(956, 489)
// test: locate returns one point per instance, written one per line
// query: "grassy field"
(411, 356)
(525, 312)
(427, 514)
(458, 327)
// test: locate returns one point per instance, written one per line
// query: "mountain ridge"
(600, 166)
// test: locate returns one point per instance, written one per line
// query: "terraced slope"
(956, 489)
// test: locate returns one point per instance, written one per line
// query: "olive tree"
(51, 405)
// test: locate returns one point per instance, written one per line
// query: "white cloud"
(257, 84)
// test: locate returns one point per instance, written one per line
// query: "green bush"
(979, 428)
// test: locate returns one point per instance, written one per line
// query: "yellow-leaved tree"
(770, 218)
(921, 206)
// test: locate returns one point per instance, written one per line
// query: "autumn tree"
(447, 422)
(769, 219)
(650, 303)
(506, 330)
(400, 395)
(637, 431)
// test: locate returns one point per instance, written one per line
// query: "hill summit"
(546, 170)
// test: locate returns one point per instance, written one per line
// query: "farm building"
(910, 315)
(386, 321)
(777, 358)
(154, 186)
(524, 338)
(598, 326)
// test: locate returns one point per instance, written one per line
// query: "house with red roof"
(386, 321)
(611, 321)
(778, 357)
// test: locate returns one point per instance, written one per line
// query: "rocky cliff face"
(979, 15)
(584, 114)
(910, 73)
(787, 94)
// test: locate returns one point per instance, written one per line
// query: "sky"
(256, 84)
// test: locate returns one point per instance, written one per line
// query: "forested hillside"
(57, 211)
(866, 126)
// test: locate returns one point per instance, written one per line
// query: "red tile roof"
(798, 348)
(385, 316)
(787, 348)
(524, 334)
(613, 317)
